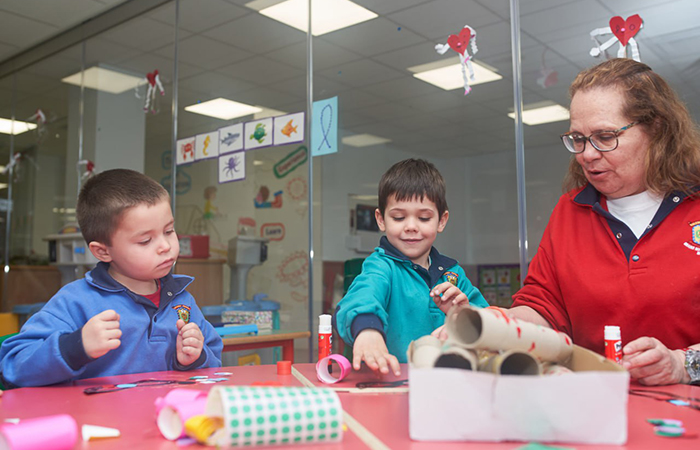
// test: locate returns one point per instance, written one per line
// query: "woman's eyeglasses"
(603, 141)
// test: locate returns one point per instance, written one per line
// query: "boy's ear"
(380, 219)
(100, 251)
(443, 221)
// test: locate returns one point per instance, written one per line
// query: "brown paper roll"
(457, 358)
(511, 362)
(491, 329)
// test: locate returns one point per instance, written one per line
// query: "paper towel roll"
(509, 362)
(491, 329)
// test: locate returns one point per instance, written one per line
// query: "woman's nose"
(590, 153)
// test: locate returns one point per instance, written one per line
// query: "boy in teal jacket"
(406, 285)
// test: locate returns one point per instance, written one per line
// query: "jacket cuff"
(199, 362)
(72, 349)
(364, 321)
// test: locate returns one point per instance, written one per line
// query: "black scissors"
(116, 387)
(381, 384)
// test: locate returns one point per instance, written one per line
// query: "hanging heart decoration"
(623, 29)
(459, 42)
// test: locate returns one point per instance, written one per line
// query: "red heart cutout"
(151, 77)
(459, 42)
(624, 30)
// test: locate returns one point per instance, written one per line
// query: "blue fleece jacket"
(392, 295)
(49, 348)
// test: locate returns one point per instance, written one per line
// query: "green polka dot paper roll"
(258, 415)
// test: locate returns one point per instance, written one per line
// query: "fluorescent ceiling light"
(105, 80)
(363, 140)
(222, 108)
(544, 114)
(327, 15)
(19, 126)
(449, 77)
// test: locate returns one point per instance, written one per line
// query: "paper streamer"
(59, 432)
(493, 329)
(322, 368)
(274, 416)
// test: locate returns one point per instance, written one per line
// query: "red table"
(274, 338)
(384, 415)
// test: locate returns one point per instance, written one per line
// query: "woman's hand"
(651, 363)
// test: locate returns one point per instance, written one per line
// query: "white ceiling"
(228, 50)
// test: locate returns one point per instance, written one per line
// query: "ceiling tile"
(261, 71)
(23, 32)
(204, 52)
(361, 73)
(199, 16)
(373, 37)
(257, 34)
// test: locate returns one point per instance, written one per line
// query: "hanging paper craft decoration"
(548, 77)
(40, 118)
(89, 168)
(460, 44)
(152, 82)
(623, 31)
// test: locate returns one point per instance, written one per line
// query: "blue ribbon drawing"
(327, 129)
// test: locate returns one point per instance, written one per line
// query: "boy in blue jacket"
(406, 286)
(129, 314)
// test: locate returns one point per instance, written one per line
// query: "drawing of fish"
(230, 138)
(289, 129)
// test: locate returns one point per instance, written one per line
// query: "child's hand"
(101, 334)
(189, 342)
(446, 294)
(370, 347)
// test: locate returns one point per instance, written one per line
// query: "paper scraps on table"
(672, 428)
(141, 383)
(96, 432)
(460, 43)
(623, 31)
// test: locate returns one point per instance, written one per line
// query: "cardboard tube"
(491, 329)
(511, 362)
(171, 418)
(426, 351)
(457, 358)
(554, 369)
(59, 432)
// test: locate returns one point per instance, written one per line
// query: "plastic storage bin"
(260, 311)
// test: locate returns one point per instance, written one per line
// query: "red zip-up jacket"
(591, 271)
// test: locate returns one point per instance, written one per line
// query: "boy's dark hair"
(413, 178)
(105, 197)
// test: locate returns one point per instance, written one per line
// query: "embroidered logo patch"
(183, 312)
(695, 237)
(451, 277)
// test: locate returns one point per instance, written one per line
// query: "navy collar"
(100, 278)
(439, 264)
(590, 197)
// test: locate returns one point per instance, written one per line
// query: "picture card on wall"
(258, 134)
(206, 145)
(232, 167)
(289, 129)
(231, 139)
(324, 128)
(185, 151)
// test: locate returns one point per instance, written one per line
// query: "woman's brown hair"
(673, 160)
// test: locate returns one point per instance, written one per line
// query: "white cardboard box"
(589, 406)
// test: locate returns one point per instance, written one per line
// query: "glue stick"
(613, 343)
(325, 336)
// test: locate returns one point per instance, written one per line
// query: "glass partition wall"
(226, 127)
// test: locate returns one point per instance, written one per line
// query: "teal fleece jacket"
(392, 295)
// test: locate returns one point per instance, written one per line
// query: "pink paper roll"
(177, 396)
(59, 432)
(171, 419)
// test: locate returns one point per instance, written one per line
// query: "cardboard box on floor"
(588, 406)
